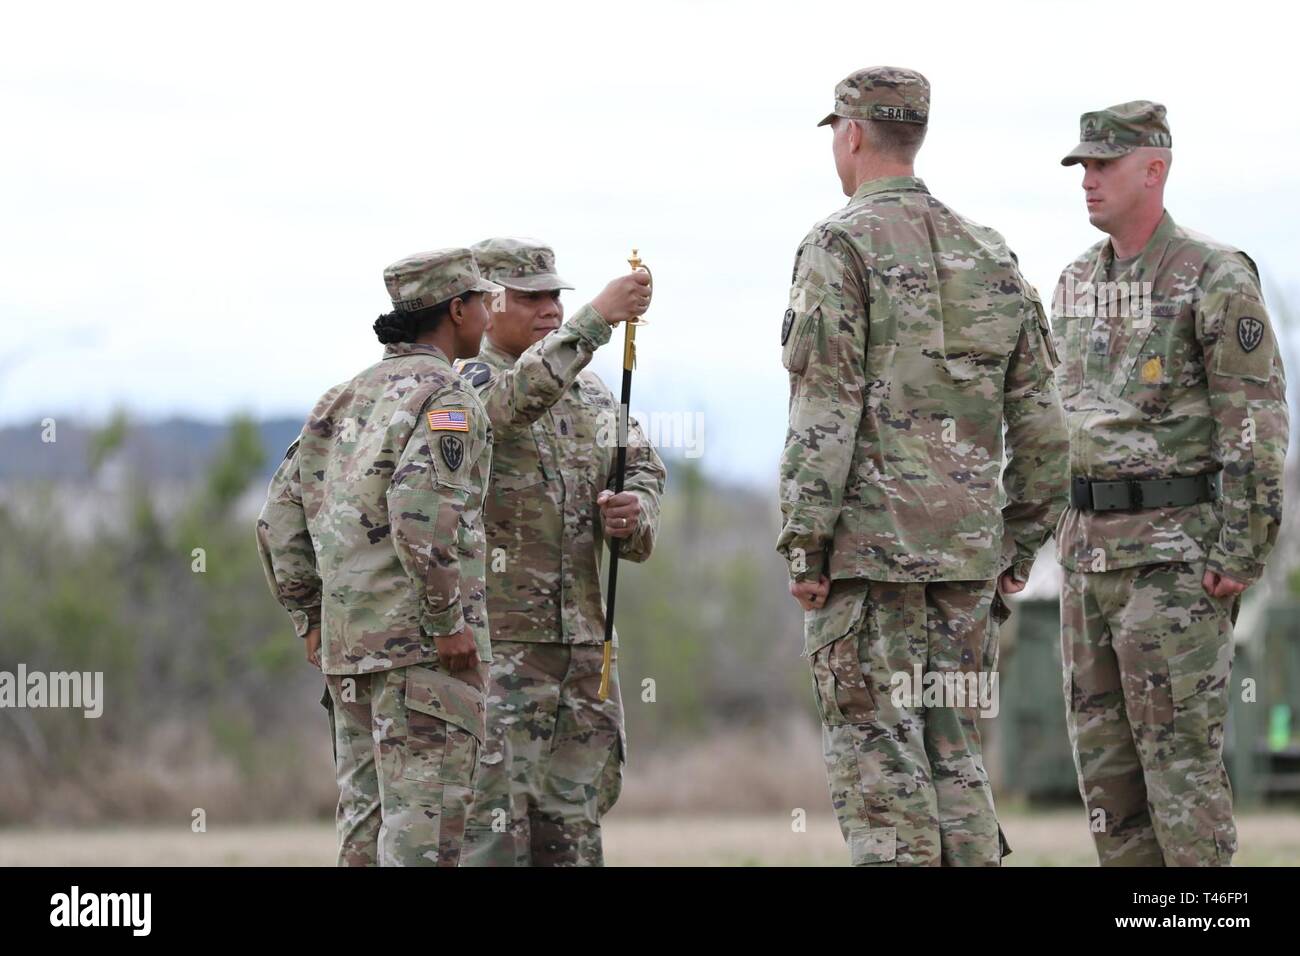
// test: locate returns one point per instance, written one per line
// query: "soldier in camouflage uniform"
(1173, 390)
(911, 340)
(552, 765)
(372, 539)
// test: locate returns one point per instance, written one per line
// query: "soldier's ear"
(856, 135)
(1157, 170)
(456, 310)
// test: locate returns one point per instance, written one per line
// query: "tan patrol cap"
(882, 93)
(522, 264)
(423, 280)
(1118, 130)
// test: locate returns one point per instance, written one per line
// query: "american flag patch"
(448, 420)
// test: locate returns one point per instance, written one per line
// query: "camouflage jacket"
(1179, 377)
(556, 446)
(910, 339)
(373, 523)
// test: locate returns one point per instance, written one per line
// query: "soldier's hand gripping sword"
(629, 360)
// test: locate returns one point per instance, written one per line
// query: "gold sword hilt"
(638, 265)
(629, 338)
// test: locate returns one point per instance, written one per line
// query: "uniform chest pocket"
(1156, 359)
(594, 418)
(517, 462)
(799, 327)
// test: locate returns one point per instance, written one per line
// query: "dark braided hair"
(409, 326)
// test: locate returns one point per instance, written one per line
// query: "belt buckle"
(1081, 493)
(1134, 494)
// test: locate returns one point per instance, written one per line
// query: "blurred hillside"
(174, 449)
(208, 701)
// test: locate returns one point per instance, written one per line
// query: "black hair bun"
(392, 327)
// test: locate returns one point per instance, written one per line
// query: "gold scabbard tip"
(603, 693)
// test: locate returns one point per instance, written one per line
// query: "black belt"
(1129, 494)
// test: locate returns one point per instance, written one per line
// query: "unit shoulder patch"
(1245, 340)
(477, 374)
(1250, 332)
(452, 450)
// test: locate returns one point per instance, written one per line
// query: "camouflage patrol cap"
(427, 278)
(1118, 130)
(523, 264)
(882, 93)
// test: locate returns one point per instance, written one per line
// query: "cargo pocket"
(1153, 705)
(843, 696)
(610, 783)
(832, 636)
(1199, 692)
(447, 724)
(873, 847)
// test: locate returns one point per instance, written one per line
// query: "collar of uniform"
(398, 349)
(490, 353)
(1152, 253)
(889, 184)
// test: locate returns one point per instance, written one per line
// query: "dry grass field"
(1045, 839)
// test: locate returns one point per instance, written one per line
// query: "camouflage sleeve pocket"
(450, 432)
(1245, 345)
(449, 452)
(799, 327)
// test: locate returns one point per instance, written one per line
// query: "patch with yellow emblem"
(1152, 370)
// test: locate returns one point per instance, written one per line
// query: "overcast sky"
(198, 201)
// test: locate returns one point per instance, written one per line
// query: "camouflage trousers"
(1147, 656)
(552, 765)
(907, 780)
(406, 747)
